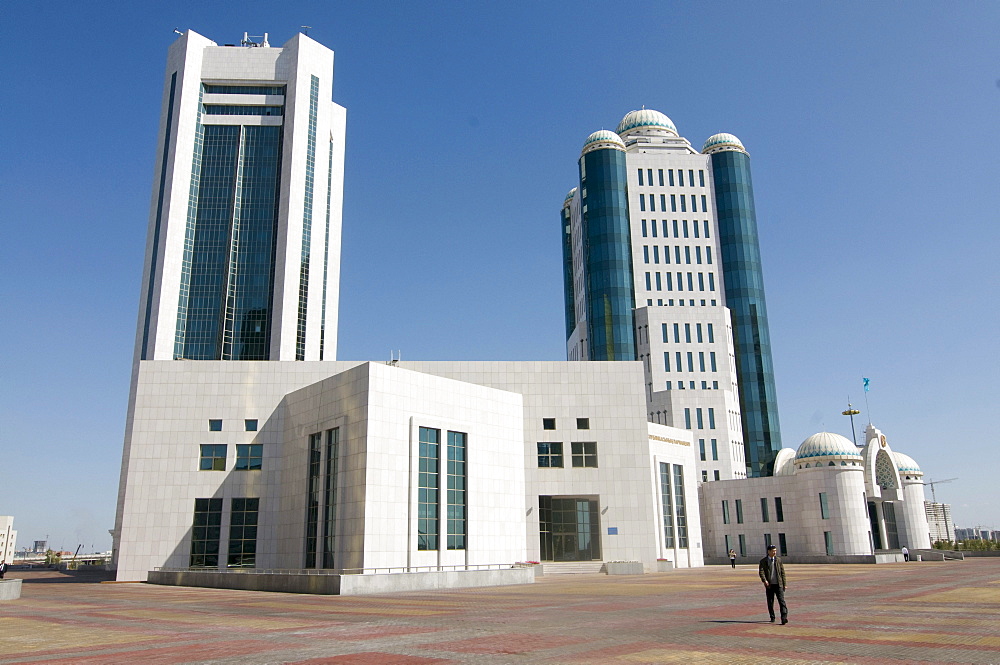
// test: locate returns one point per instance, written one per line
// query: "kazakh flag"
(866, 383)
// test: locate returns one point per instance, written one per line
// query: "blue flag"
(866, 383)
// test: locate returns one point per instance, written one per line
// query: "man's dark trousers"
(772, 591)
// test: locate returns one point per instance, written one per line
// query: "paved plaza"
(927, 612)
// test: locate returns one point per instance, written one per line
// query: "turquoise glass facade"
(740, 250)
(570, 296)
(608, 255)
(227, 276)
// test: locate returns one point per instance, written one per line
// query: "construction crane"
(932, 483)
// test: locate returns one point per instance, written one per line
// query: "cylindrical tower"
(744, 283)
(567, 247)
(915, 532)
(607, 248)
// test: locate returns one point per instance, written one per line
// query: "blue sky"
(875, 172)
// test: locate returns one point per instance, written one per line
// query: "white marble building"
(283, 465)
(827, 499)
(8, 538)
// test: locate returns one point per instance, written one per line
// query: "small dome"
(907, 464)
(646, 118)
(783, 462)
(827, 446)
(602, 139)
(721, 143)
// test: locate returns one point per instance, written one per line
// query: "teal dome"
(603, 139)
(722, 142)
(646, 118)
(907, 464)
(826, 445)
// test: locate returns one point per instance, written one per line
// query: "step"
(572, 567)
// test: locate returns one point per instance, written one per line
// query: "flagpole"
(867, 408)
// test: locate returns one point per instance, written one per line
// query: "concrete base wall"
(344, 585)
(10, 589)
(624, 568)
(881, 557)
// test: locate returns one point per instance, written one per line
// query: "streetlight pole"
(851, 411)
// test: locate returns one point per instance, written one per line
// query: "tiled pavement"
(894, 613)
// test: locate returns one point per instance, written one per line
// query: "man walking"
(772, 574)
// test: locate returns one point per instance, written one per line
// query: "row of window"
(670, 180)
(214, 89)
(691, 385)
(660, 302)
(674, 199)
(681, 228)
(692, 332)
(249, 425)
(700, 418)
(550, 423)
(665, 281)
(677, 254)
(583, 454)
(428, 490)
(249, 456)
(206, 533)
(674, 509)
(679, 365)
(765, 515)
(233, 109)
(742, 540)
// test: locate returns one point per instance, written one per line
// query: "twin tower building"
(662, 265)
(248, 445)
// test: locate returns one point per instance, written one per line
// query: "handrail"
(378, 570)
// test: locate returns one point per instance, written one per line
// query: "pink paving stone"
(512, 643)
(370, 658)
(163, 655)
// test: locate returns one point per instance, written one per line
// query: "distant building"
(8, 538)
(964, 534)
(939, 522)
(39, 546)
(828, 498)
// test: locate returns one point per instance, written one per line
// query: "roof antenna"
(305, 29)
(178, 32)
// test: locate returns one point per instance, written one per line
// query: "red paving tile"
(369, 658)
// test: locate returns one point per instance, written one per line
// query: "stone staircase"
(573, 568)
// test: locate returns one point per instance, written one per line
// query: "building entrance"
(569, 528)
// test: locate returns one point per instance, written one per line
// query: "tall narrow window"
(698, 413)
(697, 254)
(457, 504)
(652, 203)
(715, 450)
(701, 361)
(652, 227)
(663, 330)
(679, 366)
(704, 203)
(743, 544)
(649, 286)
(642, 203)
(660, 173)
(645, 253)
(667, 501)
(670, 175)
(679, 506)
(673, 203)
(711, 282)
(676, 235)
(330, 498)
(640, 178)
(205, 533)
(313, 489)
(711, 357)
(687, 418)
(243, 533)
(725, 511)
(763, 511)
(666, 361)
(711, 334)
(680, 177)
(663, 202)
(701, 282)
(684, 207)
(824, 506)
(649, 176)
(677, 333)
(687, 255)
(782, 545)
(701, 449)
(694, 208)
(643, 228)
(739, 511)
(706, 229)
(767, 541)
(828, 538)
(656, 254)
(779, 514)
(690, 357)
(701, 178)
(711, 418)
(690, 178)
(427, 491)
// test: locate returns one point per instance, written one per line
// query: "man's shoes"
(783, 621)
(772, 619)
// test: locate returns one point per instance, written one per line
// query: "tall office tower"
(243, 253)
(661, 264)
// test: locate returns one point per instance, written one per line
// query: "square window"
(213, 457)
(215, 425)
(250, 424)
(249, 457)
(584, 454)
(550, 455)
(548, 423)
(583, 423)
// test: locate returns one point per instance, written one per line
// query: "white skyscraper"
(243, 253)
(662, 265)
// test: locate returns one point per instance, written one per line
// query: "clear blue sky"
(871, 126)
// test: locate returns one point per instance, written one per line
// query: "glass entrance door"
(569, 528)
